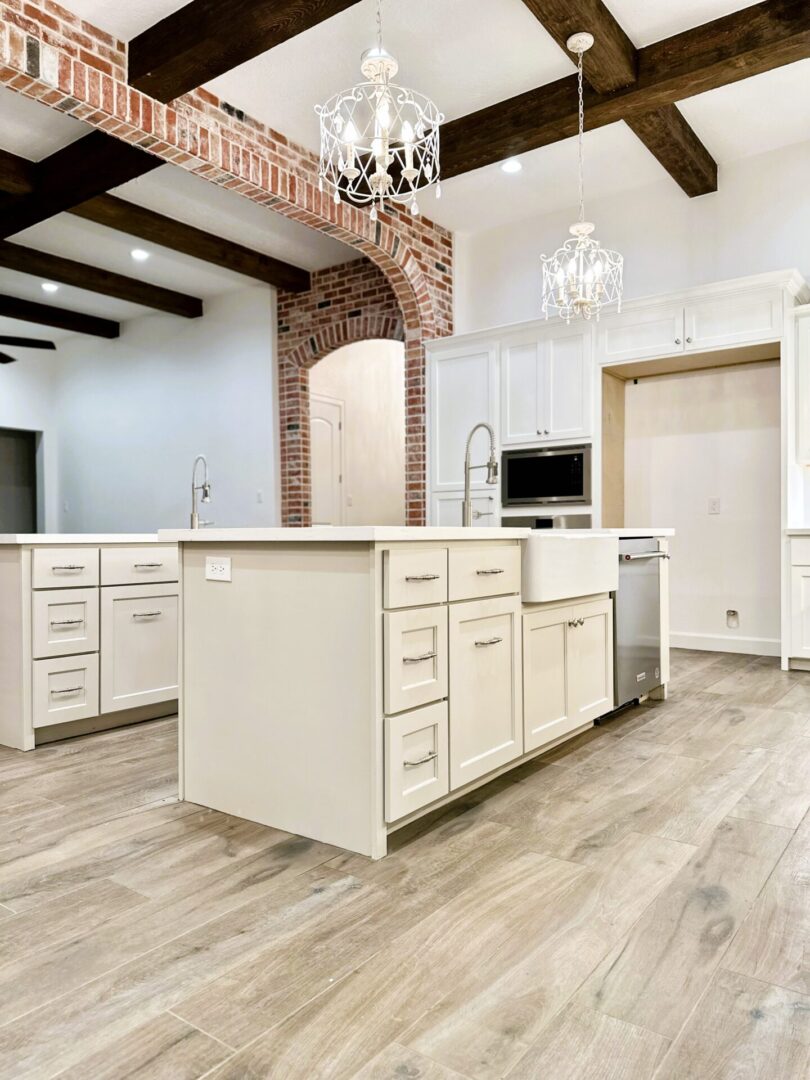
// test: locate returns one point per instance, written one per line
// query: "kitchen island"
(340, 682)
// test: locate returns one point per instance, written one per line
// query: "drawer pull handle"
(146, 565)
(494, 570)
(576, 622)
(146, 614)
(66, 622)
(68, 566)
(418, 659)
(423, 577)
(68, 690)
(488, 641)
(422, 760)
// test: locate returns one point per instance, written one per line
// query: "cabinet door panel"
(65, 622)
(139, 628)
(64, 689)
(803, 389)
(415, 647)
(735, 319)
(800, 612)
(485, 690)
(463, 393)
(416, 770)
(545, 691)
(640, 335)
(521, 380)
(590, 661)
(568, 386)
(446, 509)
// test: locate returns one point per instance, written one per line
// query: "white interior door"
(326, 457)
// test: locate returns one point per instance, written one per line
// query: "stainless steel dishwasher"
(637, 620)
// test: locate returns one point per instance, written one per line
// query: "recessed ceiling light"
(511, 165)
(49, 286)
(139, 255)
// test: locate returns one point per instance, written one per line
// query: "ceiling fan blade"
(6, 359)
(27, 342)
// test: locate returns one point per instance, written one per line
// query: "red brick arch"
(49, 54)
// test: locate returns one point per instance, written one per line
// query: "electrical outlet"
(714, 504)
(217, 568)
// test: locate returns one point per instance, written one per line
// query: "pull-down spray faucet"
(204, 487)
(491, 467)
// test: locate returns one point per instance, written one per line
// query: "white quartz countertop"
(798, 532)
(384, 534)
(66, 539)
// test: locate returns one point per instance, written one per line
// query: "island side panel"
(278, 665)
(15, 731)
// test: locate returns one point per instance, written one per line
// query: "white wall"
(696, 436)
(134, 412)
(28, 392)
(758, 220)
(369, 378)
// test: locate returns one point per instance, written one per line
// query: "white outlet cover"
(714, 504)
(217, 568)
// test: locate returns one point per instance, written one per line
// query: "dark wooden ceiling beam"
(746, 43)
(77, 172)
(27, 342)
(16, 174)
(40, 264)
(45, 315)
(612, 64)
(155, 228)
(206, 38)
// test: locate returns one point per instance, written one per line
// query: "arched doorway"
(357, 435)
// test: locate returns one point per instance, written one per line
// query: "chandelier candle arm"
(379, 140)
(581, 277)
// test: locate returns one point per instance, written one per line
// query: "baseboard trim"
(726, 643)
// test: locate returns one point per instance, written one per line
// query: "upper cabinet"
(803, 386)
(463, 392)
(720, 320)
(546, 385)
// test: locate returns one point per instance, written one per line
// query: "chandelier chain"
(581, 141)
(379, 25)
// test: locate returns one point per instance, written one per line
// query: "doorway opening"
(357, 435)
(18, 481)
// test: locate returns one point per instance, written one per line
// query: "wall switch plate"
(217, 568)
(714, 504)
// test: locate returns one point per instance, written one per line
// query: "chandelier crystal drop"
(581, 277)
(379, 140)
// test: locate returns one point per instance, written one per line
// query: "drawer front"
(139, 645)
(484, 569)
(800, 551)
(65, 622)
(63, 568)
(65, 689)
(412, 578)
(136, 565)
(416, 760)
(415, 645)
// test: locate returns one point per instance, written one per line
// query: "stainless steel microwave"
(560, 474)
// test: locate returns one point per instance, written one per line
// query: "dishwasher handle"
(646, 555)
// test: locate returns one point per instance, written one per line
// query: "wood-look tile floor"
(635, 904)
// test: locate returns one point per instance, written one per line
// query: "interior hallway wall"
(758, 220)
(134, 413)
(369, 378)
(708, 435)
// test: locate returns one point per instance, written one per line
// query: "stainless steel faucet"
(491, 467)
(204, 487)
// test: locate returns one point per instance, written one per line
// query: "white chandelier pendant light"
(379, 141)
(581, 277)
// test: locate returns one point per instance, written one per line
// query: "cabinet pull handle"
(66, 622)
(418, 659)
(576, 622)
(677, 341)
(68, 690)
(488, 641)
(68, 566)
(422, 760)
(422, 577)
(146, 565)
(494, 570)
(688, 341)
(146, 614)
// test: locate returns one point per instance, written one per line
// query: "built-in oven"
(560, 474)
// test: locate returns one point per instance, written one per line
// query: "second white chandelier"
(379, 141)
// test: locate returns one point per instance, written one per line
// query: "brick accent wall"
(351, 302)
(48, 54)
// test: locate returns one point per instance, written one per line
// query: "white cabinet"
(641, 334)
(416, 766)
(139, 626)
(463, 393)
(546, 385)
(800, 612)
(567, 669)
(803, 387)
(446, 508)
(64, 621)
(486, 728)
(64, 689)
(415, 657)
